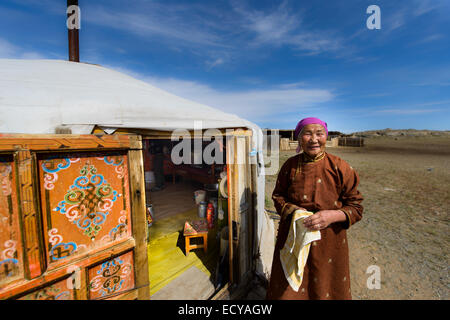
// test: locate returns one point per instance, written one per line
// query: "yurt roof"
(37, 96)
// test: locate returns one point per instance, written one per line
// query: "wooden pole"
(139, 219)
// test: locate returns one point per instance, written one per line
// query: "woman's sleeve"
(350, 197)
(279, 194)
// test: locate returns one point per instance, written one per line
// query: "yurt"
(114, 189)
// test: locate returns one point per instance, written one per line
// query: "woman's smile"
(312, 139)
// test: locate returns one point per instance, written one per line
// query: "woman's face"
(313, 139)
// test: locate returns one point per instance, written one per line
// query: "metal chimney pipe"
(74, 45)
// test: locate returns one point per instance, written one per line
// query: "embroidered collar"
(307, 158)
(304, 158)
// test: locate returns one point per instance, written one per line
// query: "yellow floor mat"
(167, 259)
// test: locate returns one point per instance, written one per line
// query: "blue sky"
(271, 62)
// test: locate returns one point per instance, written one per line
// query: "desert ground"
(404, 231)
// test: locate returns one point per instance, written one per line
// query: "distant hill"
(400, 132)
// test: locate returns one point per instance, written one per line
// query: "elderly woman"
(326, 185)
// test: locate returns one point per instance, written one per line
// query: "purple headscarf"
(307, 121)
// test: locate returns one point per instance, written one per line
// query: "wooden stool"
(195, 229)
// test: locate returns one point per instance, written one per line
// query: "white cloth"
(295, 252)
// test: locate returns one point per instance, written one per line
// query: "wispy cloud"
(377, 95)
(219, 34)
(257, 105)
(283, 26)
(407, 111)
(428, 39)
(216, 34)
(152, 20)
(432, 83)
(9, 50)
(50, 6)
(421, 7)
(251, 104)
(403, 13)
(292, 85)
(216, 62)
(274, 27)
(412, 109)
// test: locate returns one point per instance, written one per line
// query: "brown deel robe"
(326, 184)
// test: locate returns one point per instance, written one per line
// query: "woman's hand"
(322, 219)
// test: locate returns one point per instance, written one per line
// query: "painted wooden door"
(72, 217)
